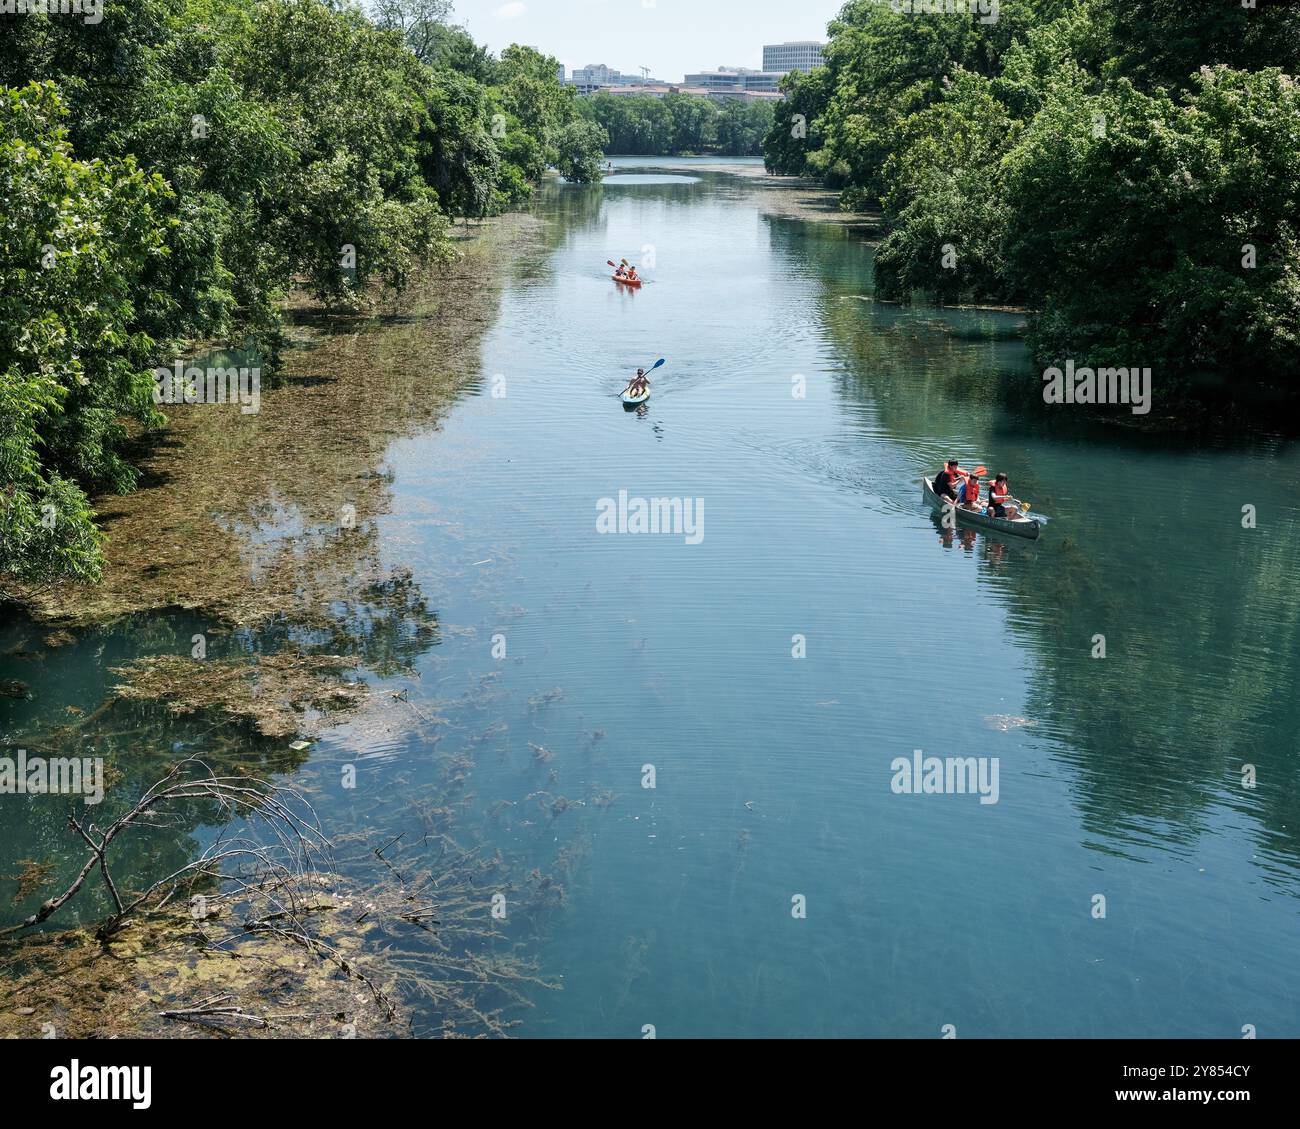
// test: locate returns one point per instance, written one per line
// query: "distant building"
(595, 77)
(801, 55)
(724, 78)
(653, 89)
(735, 80)
(743, 95)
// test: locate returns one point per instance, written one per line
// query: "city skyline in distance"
(670, 37)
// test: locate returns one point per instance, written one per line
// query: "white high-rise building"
(593, 76)
(801, 55)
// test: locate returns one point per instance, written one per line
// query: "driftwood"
(298, 841)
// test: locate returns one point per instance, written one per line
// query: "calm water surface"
(1119, 777)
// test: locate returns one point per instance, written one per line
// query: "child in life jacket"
(999, 496)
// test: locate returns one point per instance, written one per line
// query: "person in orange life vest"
(999, 496)
(631, 274)
(948, 480)
(969, 494)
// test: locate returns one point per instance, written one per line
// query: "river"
(764, 669)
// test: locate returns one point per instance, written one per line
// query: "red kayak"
(635, 283)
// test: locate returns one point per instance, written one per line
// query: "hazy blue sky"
(671, 37)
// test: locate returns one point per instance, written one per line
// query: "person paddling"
(999, 496)
(638, 386)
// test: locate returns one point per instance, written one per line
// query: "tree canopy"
(648, 125)
(1127, 170)
(170, 172)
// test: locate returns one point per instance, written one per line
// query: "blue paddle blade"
(657, 363)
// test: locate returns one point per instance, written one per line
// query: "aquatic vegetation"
(302, 618)
(541, 700)
(279, 695)
(33, 876)
(272, 914)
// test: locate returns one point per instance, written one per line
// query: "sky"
(671, 37)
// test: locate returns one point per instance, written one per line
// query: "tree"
(421, 24)
(796, 124)
(948, 216)
(80, 238)
(355, 100)
(693, 119)
(1165, 42)
(1128, 170)
(581, 145)
(461, 160)
(1171, 237)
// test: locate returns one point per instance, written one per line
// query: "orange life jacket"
(999, 492)
(972, 491)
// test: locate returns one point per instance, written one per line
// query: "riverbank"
(244, 517)
(251, 558)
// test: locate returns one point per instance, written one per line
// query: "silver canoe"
(1016, 526)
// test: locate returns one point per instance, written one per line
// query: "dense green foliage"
(79, 241)
(170, 172)
(1128, 170)
(647, 125)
